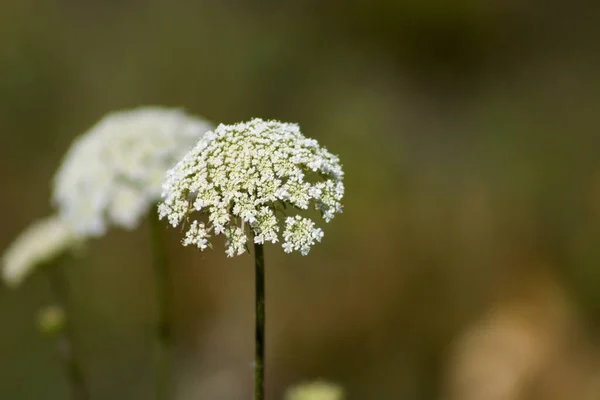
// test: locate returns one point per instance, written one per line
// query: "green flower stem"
(163, 329)
(259, 361)
(66, 351)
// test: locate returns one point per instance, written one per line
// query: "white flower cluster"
(112, 174)
(318, 390)
(41, 243)
(300, 233)
(243, 175)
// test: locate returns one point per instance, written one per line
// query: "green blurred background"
(465, 265)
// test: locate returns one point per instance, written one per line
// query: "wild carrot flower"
(254, 176)
(41, 243)
(113, 173)
(318, 390)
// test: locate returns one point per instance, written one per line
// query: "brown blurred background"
(466, 263)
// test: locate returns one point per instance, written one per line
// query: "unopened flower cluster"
(112, 174)
(41, 243)
(51, 319)
(319, 390)
(254, 176)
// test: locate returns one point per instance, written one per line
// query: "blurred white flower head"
(42, 242)
(113, 173)
(319, 390)
(254, 176)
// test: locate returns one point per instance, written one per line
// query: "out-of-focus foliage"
(469, 136)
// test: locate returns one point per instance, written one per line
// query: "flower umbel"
(112, 174)
(41, 243)
(244, 176)
(318, 390)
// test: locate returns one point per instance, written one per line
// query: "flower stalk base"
(163, 327)
(259, 361)
(73, 371)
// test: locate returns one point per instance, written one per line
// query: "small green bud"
(319, 390)
(51, 320)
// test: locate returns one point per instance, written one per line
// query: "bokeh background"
(466, 263)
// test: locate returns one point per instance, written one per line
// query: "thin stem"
(259, 359)
(73, 371)
(163, 328)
